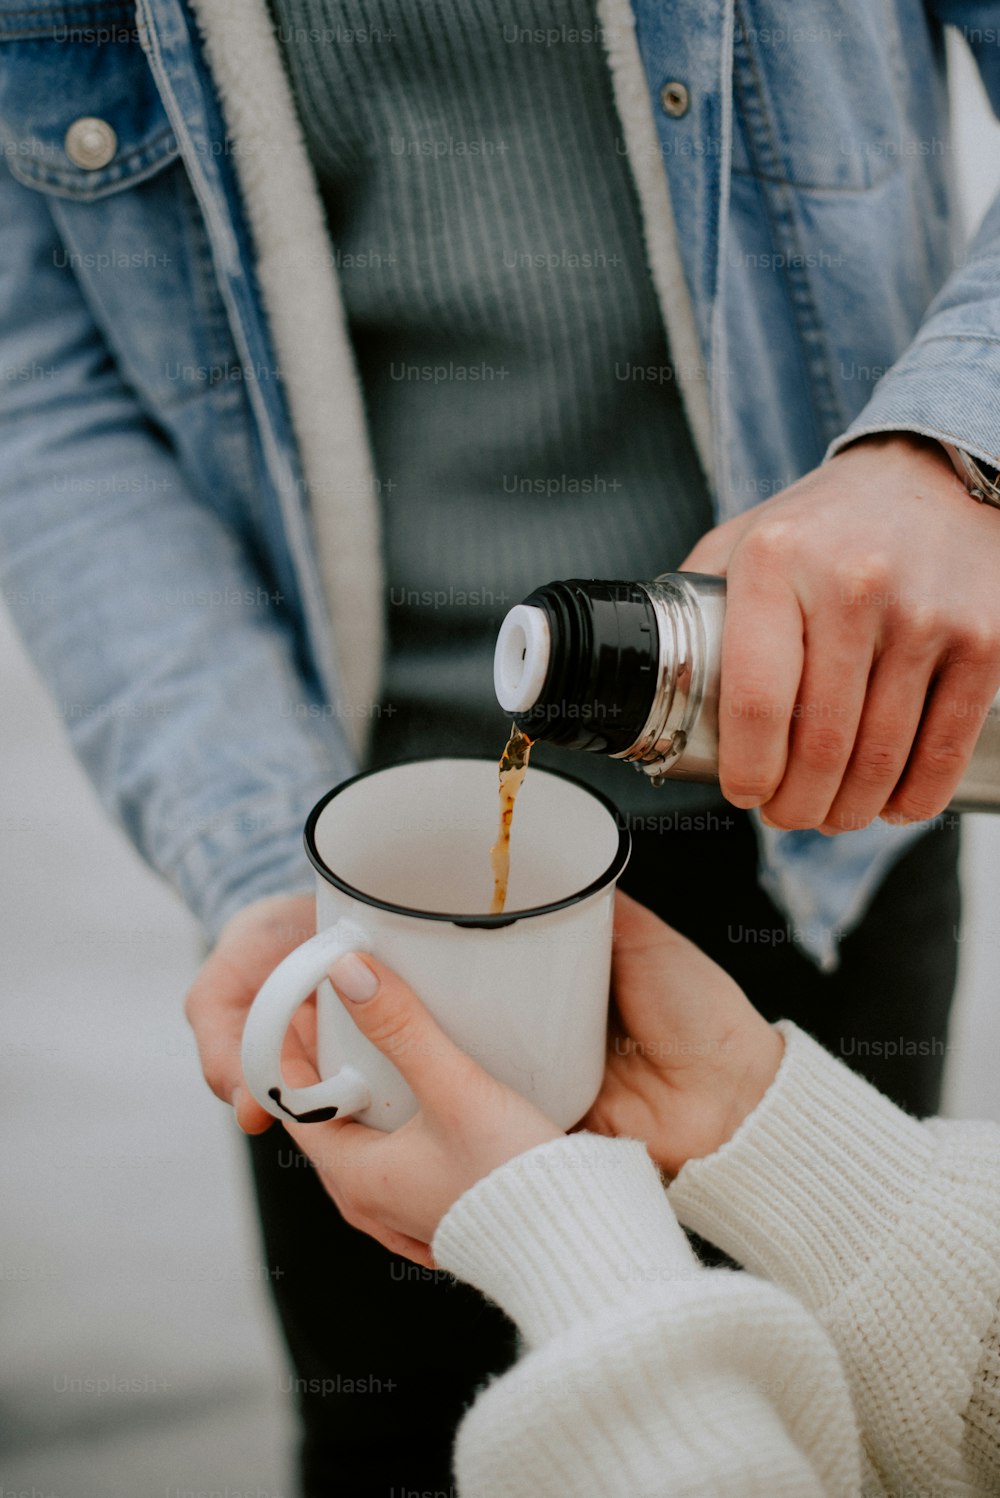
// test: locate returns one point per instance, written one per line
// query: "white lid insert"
(521, 659)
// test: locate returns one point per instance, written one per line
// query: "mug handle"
(291, 983)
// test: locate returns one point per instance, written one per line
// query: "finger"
(711, 554)
(388, 1012)
(251, 1118)
(762, 659)
(897, 692)
(825, 719)
(351, 1162)
(669, 995)
(637, 928)
(639, 932)
(635, 923)
(356, 1165)
(297, 1052)
(956, 709)
(216, 1009)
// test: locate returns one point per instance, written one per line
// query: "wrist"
(964, 474)
(569, 1230)
(908, 446)
(815, 1181)
(753, 1082)
(980, 479)
(755, 1061)
(696, 1114)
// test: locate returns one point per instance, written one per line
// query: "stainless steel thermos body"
(632, 670)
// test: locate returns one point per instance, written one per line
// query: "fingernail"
(353, 979)
(236, 1098)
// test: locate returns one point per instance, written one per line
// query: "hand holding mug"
(250, 947)
(689, 1057)
(397, 1186)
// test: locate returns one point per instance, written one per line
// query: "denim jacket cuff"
(944, 387)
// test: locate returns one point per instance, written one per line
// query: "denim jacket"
(158, 514)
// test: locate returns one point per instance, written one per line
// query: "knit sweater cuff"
(564, 1232)
(812, 1183)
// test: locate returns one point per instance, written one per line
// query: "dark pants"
(387, 1355)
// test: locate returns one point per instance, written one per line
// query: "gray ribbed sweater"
(490, 253)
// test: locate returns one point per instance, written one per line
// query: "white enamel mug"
(403, 872)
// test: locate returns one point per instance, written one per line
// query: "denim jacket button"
(90, 143)
(675, 99)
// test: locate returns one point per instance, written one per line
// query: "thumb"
(666, 988)
(388, 1012)
(638, 926)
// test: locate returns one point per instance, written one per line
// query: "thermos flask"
(631, 670)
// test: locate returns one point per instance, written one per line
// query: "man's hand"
(248, 950)
(861, 649)
(688, 1055)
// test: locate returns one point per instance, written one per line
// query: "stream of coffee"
(513, 768)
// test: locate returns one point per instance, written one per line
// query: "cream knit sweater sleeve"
(888, 1230)
(646, 1375)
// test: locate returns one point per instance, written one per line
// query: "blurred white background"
(128, 1249)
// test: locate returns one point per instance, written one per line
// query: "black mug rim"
(485, 921)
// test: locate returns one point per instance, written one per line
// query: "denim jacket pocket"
(80, 116)
(817, 96)
(76, 85)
